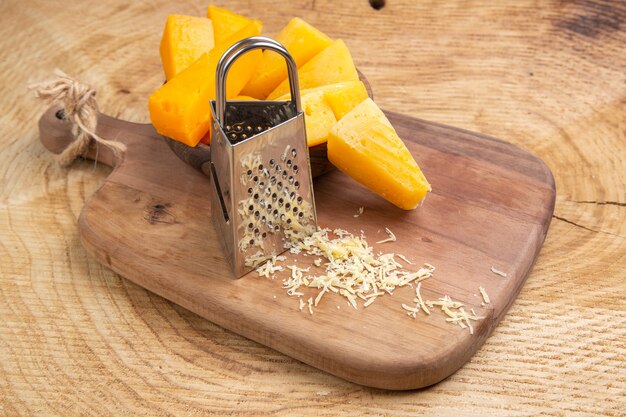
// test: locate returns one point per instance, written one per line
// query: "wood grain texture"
(491, 206)
(76, 338)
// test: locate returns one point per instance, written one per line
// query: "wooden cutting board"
(490, 206)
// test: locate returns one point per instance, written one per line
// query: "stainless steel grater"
(262, 192)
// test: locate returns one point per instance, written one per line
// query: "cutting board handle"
(55, 134)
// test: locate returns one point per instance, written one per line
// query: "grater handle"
(240, 48)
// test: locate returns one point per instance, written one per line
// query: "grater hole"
(272, 162)
(283, 217)
(249, 173)
(243, 136)
(249, 128)
(285, 175)
(273, 180)
(233, 136)
(269, 207)
(279, 185)
(266, 173)
(263, 220)
(278, 168)
(288, 221)
(301, 214)
(296, 184)
(261, 167)
(264, 235)
(257, 214)
(291, 180)
(250, 191)
(274, 197)
(255, 179)
(257, 231)
(250, 209)
(250, 225)
(237, 128)
(295, 169)
(268, 191)
(251, 241)
(287, 206)
(259, 128)
(262, 203)
(300, 200)
(289, 163)
(262, 184)
(256, 196)
(293, 153)
(280, 202)
(276, 228)
(295, 210)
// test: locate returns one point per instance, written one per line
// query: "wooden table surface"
(77, 339)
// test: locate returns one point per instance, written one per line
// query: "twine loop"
(80, 108)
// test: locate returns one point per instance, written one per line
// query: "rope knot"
(81, 109)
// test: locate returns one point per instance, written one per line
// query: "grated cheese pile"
(347, 266)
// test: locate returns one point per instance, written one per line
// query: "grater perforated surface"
(273, 203)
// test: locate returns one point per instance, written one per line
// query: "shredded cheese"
(412, 311)
(268, 269)
(352, 270)
(319, 296)
(391, 238)
(256, 258)
(455, 312)
(419, 303)
(498, 272)
(369, 301)
(420, 300)
(484, 294)
(462, 318)
(406, 260)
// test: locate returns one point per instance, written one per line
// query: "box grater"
(262, 192)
